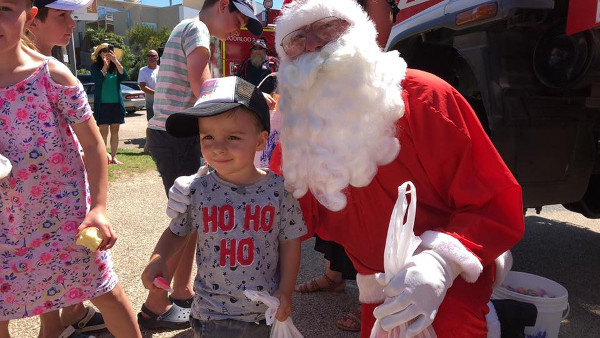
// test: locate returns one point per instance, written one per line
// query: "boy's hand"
(155, 268)
(285, 305)
(97, 218)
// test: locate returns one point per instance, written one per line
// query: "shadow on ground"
(568, 255)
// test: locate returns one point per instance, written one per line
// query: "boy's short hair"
(243, 6)
(218, 96)
(67, 5)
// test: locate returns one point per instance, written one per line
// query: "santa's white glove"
(5, 167)
(414, 295)
(179, 194)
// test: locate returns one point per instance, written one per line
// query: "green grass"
(134, 161)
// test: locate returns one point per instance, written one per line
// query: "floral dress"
(44, 200)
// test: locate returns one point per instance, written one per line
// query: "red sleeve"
(307, 203)
(464, 167)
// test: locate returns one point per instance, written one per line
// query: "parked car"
(84, 78)
(134, 99)
(132, 84)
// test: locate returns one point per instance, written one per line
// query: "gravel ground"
(558, 244)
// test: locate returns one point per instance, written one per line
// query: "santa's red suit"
(469, 204)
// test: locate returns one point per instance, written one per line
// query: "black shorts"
(174, 156)
(110, 113)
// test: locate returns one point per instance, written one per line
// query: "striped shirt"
(173, 92)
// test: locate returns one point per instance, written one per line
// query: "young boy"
(248, 226)
(184, 67)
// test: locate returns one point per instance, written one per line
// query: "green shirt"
(110, 94)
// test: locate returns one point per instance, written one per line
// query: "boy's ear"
(262, 140)
(223, 6)
(29, 19)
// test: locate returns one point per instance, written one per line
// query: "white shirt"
(149, 76)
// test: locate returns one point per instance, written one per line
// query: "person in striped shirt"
(183, 69)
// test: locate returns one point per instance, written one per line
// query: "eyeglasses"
(327, 29)
(152, 56)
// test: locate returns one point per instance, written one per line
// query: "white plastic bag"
(5, 167)
(285, 329)
(400, 244)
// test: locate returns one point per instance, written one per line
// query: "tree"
(143, 38)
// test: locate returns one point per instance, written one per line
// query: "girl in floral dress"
(51, 194)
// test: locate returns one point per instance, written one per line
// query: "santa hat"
(299, 13)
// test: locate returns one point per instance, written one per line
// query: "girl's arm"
(97, 171)
(289, 265)
(112, 57)
(95, 163)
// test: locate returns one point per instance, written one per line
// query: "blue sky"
(164, 3)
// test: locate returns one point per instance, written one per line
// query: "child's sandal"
(174, 318)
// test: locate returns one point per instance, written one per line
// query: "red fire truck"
(228, 55)
(531, 71)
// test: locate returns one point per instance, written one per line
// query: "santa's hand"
(179, 194)
(414, 295)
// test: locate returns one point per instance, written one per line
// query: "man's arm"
(146, 89)
(198, 59)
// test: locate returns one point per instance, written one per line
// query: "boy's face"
(229, 142)
(55, 30)
(230, 23)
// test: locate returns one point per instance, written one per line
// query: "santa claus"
(356, 124)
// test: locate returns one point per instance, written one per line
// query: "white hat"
(301, 13)
(65, 5)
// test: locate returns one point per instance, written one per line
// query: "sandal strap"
(147, 311)
(67, 332)
(89, 314)
(330, 283)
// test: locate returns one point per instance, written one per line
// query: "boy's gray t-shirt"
(239, 229)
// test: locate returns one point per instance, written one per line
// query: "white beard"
(339, 109)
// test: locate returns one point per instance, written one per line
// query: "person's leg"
(174, 157)
(118, 313)
(104, 132)
(50, 325)
(4, 329)
(114, 142)
(149, 115)
(83, 319)
(72, 314)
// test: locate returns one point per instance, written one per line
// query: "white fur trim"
(493, 323)
(503, 265)
(370, 292)
(301, 13)
(452, 249)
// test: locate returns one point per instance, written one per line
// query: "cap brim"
(253, 25)
(69, 5)
(185, 124)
